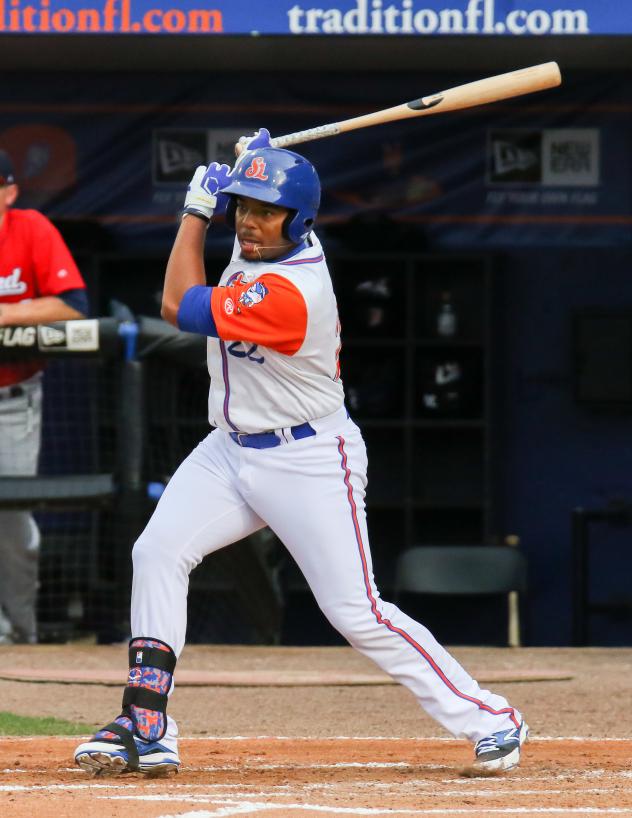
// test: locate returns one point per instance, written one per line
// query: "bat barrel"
(482, 92)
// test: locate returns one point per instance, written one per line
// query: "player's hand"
(204, 197)
(261, 139)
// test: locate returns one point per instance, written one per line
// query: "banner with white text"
(515, 18)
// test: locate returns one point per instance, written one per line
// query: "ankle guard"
(144, 713)
(151, 664)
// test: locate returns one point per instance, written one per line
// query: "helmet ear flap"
(288, 227)
(296, 229)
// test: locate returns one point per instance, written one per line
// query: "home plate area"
(320, 777)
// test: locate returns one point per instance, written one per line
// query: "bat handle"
(305, 136)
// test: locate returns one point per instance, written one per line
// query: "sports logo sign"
(550, 157)
(176, 154)
(571, 157)
(514, 156)
(73, 336)
(51, 337)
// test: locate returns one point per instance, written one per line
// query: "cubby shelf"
(428, 466)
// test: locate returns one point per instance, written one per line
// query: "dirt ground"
(329, 749)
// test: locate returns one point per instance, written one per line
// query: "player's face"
(8, 194)
(259, 227)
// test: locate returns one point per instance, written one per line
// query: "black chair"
(466, 570)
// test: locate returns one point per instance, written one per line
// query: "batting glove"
(204, 197)
(248, 143)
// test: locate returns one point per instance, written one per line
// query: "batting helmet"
(278, 177)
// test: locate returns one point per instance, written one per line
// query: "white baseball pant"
(311, 494)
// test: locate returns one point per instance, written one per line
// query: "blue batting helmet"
(278, 177)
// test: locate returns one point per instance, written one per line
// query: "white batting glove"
(203, 196)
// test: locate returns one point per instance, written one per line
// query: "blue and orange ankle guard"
(151, 664)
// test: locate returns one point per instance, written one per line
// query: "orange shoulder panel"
(270, 311)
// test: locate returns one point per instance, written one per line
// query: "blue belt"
(267, 440)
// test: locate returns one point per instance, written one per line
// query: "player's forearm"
(37, 311)
(185, 267)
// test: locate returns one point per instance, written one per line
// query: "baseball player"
(39, 282)
(284, 453)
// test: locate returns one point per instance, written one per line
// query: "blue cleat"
(500, 751)
(126, 753)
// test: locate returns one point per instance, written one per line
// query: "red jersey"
(34, 262)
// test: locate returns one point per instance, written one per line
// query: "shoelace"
(496, 742)
(486, 745)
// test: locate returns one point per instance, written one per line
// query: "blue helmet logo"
(278, 177)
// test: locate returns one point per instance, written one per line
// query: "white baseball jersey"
(275, 362)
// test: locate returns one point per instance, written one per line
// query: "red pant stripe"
(388, 623)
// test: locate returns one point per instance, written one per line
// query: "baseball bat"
(481, 92)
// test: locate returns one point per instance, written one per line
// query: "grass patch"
(12, 725)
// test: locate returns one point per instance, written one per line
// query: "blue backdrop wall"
(557, 454)
(543, 183)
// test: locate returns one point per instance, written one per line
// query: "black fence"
(124, 402)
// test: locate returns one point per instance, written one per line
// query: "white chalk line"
(394, 739)
(53, 787)
(236, 809)
(420, 739)
(232, 804)
(466, 787)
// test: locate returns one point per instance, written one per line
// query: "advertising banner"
(515, 18)
(119, 150)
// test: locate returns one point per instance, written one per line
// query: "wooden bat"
(481, 92)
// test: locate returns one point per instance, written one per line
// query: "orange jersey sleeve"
(270, 311)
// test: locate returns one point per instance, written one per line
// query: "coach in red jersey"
(39, 282)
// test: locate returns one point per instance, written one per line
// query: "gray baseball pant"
(20, 435)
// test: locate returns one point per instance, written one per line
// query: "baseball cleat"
(500, 751)
(151, 758)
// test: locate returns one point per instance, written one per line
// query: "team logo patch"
(253, 295)
(257, 169)
(229, 306)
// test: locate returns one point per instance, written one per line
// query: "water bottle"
(446, 318)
